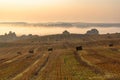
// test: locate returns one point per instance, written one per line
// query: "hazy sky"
(60, 10)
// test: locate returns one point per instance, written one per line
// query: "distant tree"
(92, 32)
(5, 34)
(30, 35)
(66, 32)
(11, 34)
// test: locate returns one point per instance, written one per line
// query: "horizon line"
(3, 22)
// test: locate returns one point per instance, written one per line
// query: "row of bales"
(32, 51)
(78, 48)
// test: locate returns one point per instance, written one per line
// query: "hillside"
(54, 57)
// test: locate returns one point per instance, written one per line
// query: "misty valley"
(61, 55)
(22, 28)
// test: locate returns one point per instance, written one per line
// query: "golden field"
(97, 60)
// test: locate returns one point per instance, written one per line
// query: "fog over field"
(56, 28)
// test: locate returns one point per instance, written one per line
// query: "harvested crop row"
(9, 70)
(31, 71)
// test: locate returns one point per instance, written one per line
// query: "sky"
(60, 10)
